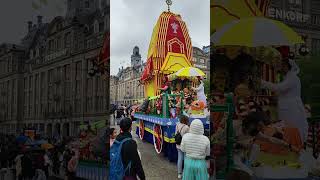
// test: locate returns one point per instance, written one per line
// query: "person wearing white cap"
(196, 147)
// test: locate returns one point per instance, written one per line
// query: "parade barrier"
(92, 170)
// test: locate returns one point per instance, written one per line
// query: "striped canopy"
(255, 32)
(189, 72)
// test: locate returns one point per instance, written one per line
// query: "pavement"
(155, 166)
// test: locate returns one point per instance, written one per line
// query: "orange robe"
(290, 135)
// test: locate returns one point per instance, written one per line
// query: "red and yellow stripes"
(158, 45)
(166, 37)
(187, 40)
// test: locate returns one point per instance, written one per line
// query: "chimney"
(29, 25)
(39, 20)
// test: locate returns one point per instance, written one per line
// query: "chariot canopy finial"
(169, 3)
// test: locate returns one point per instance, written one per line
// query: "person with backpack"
(181, 129)
(125, 162)
(196, 146)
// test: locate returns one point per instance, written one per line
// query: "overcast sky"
(132, 22)
(14, 15)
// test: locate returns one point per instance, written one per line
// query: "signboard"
(295, 2)
(30, 133)
(56, 55)
(288, 15)
(200, 66)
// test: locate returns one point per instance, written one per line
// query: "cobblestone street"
(155, 166)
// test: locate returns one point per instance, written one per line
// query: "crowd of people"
(121, 111)
(8, 150)
(35, 163)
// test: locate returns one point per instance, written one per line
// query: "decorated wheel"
(157, 138)
(141, 129)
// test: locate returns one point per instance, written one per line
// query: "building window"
(96, 27)
(78, 86)
(30, 96)
(51, 46)
(194, 60)
(101, 27)
(42, 92)
(36, 97)
(59, 43)
(9, 64)
(106, 24)
(315, 46)
(37, 52)
(202, 61)
(67, 40)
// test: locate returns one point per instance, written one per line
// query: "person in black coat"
(129, 151)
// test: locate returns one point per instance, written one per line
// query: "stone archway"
(66, 130)
(49, 130)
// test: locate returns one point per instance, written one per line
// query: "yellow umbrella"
(47, 146)
(255, 32)
(189, 72)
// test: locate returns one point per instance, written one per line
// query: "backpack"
(178, 137)
(117, 171)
